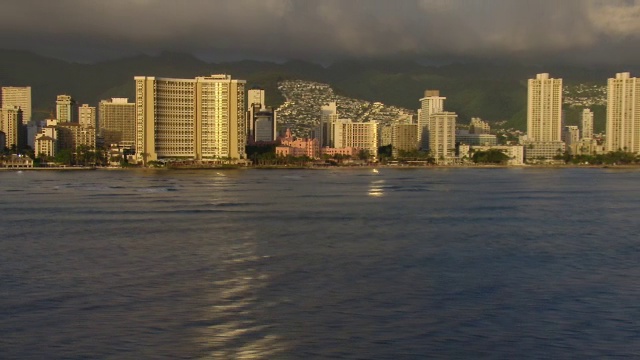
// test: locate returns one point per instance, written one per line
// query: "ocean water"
(320, 264)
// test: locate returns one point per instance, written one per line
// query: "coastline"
(359, 167)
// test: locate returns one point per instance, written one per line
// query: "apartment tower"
(623, 113)
(194, 119)
(544, 109)
(64, 108)
(117, 121)
(587, 124)
(442, 135)
(87, 116)
(11, 126)
(13, 96)
(431, 103)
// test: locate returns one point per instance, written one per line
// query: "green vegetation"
(611, 158)
(490, 157)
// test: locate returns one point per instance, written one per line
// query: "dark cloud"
(589, 31)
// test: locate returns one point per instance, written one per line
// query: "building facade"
(571, 138)
(195, 119)
(14, 96)
(117, 121)
(431, 103)
(404, 137)
(70, 136)
(477, 126)
(11, 125)
(544, 109)
(623, 113)
(441, 135)
(587, 124)
(64, 108)
(87, 116)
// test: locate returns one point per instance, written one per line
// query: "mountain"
(494, 92)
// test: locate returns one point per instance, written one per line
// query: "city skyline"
(571, 31)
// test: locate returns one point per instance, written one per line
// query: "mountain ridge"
(490, 90)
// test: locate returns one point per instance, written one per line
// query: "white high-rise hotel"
(431, 103)
(623, 113)
(201, 118)
(544, 109)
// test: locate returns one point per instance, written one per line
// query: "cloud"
(325, 30)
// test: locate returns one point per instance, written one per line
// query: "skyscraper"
(18, 97)
(117, 121)
(87, 116)
(255, 96)
(11, 126)
(544, 109)
(201, 118)
(442, 135)
(623, 113)
(64, 108)
(431, 103)
(255, 104)
(328, 114)
(587, 124)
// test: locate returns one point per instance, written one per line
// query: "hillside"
(494, 92)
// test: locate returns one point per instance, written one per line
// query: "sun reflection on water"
(376, 188)
(236, 331)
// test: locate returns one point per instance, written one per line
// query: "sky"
(323, 31)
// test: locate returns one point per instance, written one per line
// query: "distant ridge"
(495, 92)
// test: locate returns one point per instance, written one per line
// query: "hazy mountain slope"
(494, 92)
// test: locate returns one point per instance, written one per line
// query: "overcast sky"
(585, 31)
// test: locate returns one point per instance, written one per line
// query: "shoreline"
(359, 167)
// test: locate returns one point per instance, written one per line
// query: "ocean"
(463, 263)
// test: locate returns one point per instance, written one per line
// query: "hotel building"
(587, 124)
(117, 121)
(64, 108)
(441, 135)
(72, 135)
(544, 109)
(197, 119)
(544, 118)
(11, 126)
(571, 138)
(404, 137)
(623, 113)
(431, 103)
(87, 116)
(13, 96)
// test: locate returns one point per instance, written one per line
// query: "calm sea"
(345, 264)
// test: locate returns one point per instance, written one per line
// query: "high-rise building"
(264, 125)
(587, 124)
(255, 96)
(87, 116)
(117, 121)
(72, 135)
(404, 137)
(64, 108)
(201, 118)
(544, 109)
(623, 113)
(477, 126)
(441, 135)
(14, 96)
(328, 114)
(431, 103)
(256, 104)
(11, 126)
(571, 138)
